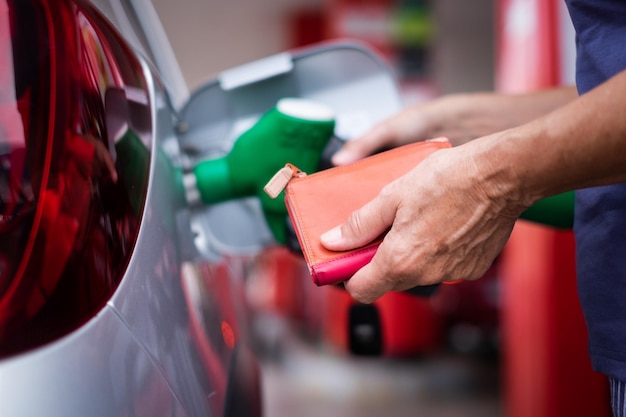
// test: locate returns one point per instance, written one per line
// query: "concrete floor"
(306, 379)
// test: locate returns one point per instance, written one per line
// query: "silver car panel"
(150, 299)
(110, 375)
(140, 25)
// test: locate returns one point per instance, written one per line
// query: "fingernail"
(343, 158)
(332, 236)
(438, 139)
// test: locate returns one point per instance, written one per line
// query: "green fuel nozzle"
(294, 131)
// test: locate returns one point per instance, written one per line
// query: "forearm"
(578, 145)
(463, 117)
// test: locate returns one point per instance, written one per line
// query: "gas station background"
(440, 47)
(210, 36)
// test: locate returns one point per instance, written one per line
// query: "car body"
(106, 306)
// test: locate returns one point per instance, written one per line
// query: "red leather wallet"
(320, 201)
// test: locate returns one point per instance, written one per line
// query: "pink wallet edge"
(341, 268)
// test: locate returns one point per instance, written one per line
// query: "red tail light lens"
(74, 162)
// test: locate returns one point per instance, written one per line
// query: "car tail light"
(74, 161)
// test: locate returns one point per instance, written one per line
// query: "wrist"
(501, 178)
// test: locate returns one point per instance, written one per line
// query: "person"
(450, 216)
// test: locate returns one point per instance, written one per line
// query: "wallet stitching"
(347, 255)
(305, 235)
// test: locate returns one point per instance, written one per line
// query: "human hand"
(459, 117)
(407, 126)
(448, 219)
(445, 116)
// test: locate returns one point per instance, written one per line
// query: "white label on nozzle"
(305, 109)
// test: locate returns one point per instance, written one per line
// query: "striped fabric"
(618, 396)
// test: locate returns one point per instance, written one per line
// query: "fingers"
(359, 148)
(385, 273)
(409, 125)
(366, 286)
(363, 225)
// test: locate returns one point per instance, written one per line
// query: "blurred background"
(448, 43)
(510, 344)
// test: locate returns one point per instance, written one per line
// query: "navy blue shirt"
(600, 212)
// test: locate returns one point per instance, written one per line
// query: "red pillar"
(546, 366)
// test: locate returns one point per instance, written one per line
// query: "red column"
(547, 371)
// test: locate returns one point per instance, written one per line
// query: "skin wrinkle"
(467, 251)
(448, 246)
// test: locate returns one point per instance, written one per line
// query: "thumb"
(362, 226)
